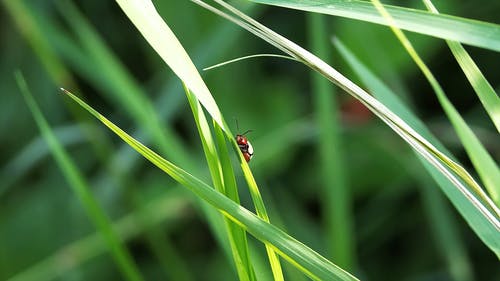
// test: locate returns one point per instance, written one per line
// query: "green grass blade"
(119, 252)
(485, 92)
(247, 57)
(310, 262)
(336, 195)
(471, 32)
(483, 227)
(145, 17)
(237, 237)
(481, 159)
(147, 20)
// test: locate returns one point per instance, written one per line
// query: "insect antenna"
(238, 128)
(248, 131)
(237, 125)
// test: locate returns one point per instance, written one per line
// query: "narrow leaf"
(304, 258)
(471, 32)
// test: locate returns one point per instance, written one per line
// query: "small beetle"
(245, 146)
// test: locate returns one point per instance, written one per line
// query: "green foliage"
(325, 171)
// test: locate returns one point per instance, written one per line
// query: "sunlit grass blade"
(463, 182)
(471, 32)
(160, 210)
(147, 20)
(481, 159)
(119, 252)
(151, 25)
(336, 194)
(486, 230)
(237, 236)
(304, 258)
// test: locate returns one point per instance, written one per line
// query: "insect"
(244, 145)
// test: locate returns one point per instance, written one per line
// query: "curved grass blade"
(307, 260)
(482, 161)
(119, 252)
(470, 191)
(470, 32)
(247, 57)
(485, 230)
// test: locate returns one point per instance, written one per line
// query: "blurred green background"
(402, 223)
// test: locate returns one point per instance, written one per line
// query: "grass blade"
(486, 230)
(481, 159)
(119, 252)
(247, 57)
(336, 196)
(145, 17)
(471, 32)
(310, 262)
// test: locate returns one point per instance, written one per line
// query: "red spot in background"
(354, 112)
